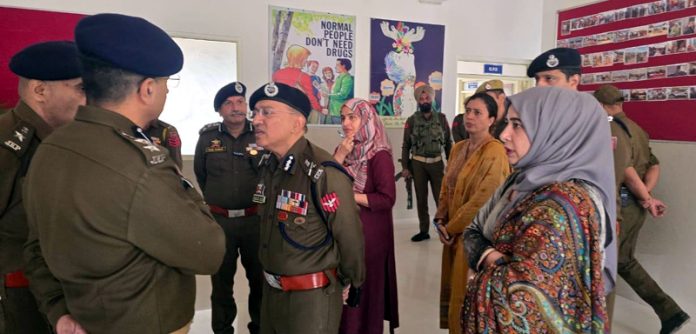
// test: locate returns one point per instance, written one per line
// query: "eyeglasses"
(173, 81)
(265, 112)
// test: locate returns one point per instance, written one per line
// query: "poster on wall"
(314, 52)
(403, 56)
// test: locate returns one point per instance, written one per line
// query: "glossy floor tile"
(418, 272)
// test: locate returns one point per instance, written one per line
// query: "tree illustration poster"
(403, 56)
(314, 52)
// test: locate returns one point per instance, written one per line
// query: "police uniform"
(227, 171)
(421, 153)
(311, 236)
(166, 135)
(21, 132)
(122, 231)
(555, 59)
(632, 215)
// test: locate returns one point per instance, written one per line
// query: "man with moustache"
(50, 90)
(426, 135)
(226, 167)
(312, 247)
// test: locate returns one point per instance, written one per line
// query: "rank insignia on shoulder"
(317, 175)
(156, 140)
(152, 152)
(288, 162)
(18, 140)
(330, 202)
(147, 145)
(208, 127)
(215, 146)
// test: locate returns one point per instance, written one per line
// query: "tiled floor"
(418, 270)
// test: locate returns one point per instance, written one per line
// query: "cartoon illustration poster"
(314, 52)
(404, 55)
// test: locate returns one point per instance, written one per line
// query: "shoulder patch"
(208, 127)
(153, 154)
(17, 139)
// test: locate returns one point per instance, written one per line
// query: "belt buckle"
(273, 280)
(235, 213)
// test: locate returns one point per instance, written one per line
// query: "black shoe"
(673, 324)
(420, 237)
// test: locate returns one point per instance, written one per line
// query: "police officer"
(636, 201)
(226, 167)
(50, 89)
(426, 134)
(558, 67)
(312, 247)
(495, 89)
(166, 135)
(122, 231)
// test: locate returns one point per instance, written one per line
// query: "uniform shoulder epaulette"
(153, 154)
(208, 127)
(17, 139)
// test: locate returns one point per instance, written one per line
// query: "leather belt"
(250, 211)
(299, 282)
(16, 280)
(426, 159)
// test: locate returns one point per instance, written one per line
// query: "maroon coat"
(377, 303)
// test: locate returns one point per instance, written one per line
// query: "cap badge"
(488, 87)
(238, 88)
(271, 89)
(552, 61)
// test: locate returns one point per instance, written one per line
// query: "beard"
(425, 107)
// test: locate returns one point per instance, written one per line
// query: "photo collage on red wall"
(645, 48)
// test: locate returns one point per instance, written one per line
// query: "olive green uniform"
(425, 138)
(166, 135)
(633, 217)
(227, 171)
(294, 242)
(116, 234)
(21, 131)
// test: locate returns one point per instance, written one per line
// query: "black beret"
(233, 89)
(129, 43)
(555, 59)
(280, 92)
(51, 61)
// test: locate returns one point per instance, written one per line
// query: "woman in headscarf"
(477, 166)
(366, 154)
(538, 244)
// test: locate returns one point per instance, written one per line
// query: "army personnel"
(166, 135)
(50, 89)
(426, 135)
(495, 89)
(639, 179)
(116, 233)
(558, 67)
(312, 247)
(226, 167)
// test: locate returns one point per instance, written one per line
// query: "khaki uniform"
(21, 131)
(227, 171)
(633, 217)
(120, 229)
(294, 239)
(166, 135)
(423, 139)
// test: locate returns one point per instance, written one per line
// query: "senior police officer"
(639, 179)
(312, 247)
(50, 89)
(495, 89)
(167, 136)
(226, 167)
(558, 67)
(426, 135)
(116, 233)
